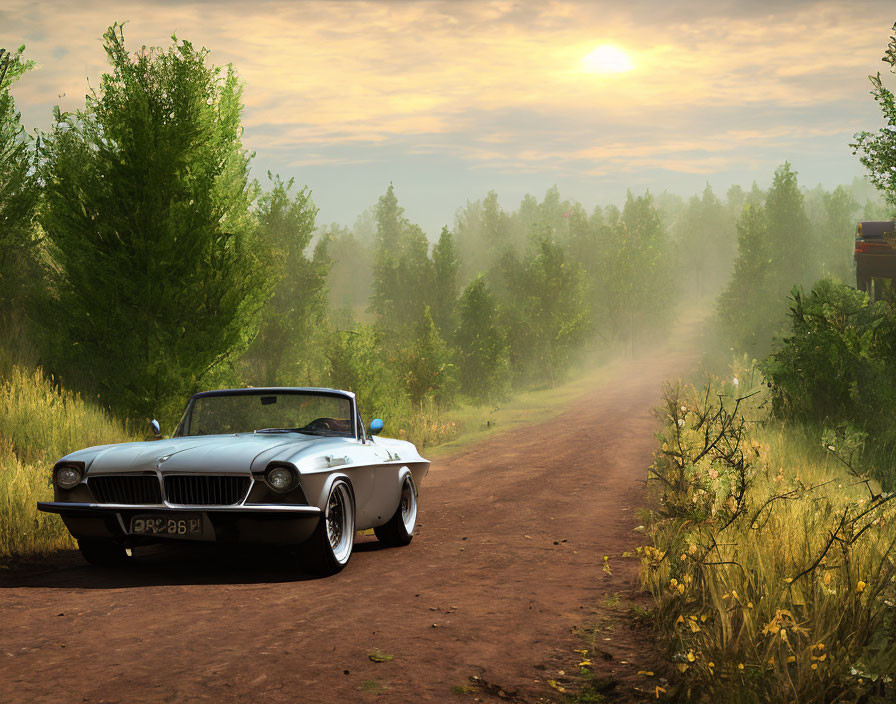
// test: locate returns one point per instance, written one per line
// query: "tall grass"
(40, 422)
(771, 559)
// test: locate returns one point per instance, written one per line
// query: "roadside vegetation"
(771, 557)
(772, 530)
(40, 422)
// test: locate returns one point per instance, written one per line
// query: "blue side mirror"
(156, 428)
(376, 425)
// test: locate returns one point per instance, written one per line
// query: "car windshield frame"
(357, 431)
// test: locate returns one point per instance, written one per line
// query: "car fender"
(321, 499)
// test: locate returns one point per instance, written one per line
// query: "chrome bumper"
(71, 507)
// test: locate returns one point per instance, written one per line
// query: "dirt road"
(507, 559)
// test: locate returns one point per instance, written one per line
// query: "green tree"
(550, 315)
(483, 359)
(746, 301)
(793, 258)
(350, 281)
(877, 150)
(429, 371)
(637, 288)
(835, 226)
(281, 352)
(155, 280)
(775, 252)
(402, 271)
(706, 241)
(443, 295)
(355, 361)
(18, 191)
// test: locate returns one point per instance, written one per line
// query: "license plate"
(184, 525)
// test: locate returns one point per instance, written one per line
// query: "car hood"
(210, 453)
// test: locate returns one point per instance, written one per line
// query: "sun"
(607, 59)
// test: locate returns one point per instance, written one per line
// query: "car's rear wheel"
(329, 548)
(399, 530)
(103, 553)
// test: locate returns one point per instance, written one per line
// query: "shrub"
(836, 366)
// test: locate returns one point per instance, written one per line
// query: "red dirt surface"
(506, 562)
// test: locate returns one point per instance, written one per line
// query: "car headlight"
(68, 476)
(281, 478)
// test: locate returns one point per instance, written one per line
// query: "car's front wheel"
(329, 548)
(103, 553)
(400, 529)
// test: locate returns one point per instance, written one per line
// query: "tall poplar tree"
(444, 291)
(155, 278)
(402, 270)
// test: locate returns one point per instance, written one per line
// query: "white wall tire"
(329, 548)
(399, 530)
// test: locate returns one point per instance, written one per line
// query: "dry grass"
(39, 423)
(771, 559)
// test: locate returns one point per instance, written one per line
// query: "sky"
(449, 99)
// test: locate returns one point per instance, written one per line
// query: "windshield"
(268, 412)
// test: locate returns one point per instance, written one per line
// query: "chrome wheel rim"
(340, 523)
(409, 505)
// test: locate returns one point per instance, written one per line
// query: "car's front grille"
(205, 490)
(126, 489)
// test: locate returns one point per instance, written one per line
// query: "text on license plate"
(190, 524)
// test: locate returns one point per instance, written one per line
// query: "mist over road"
(482, 590)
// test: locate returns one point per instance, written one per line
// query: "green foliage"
(18, 191)
(155, 283)
(484, 233)
(706, 243)
(483, 355)
(282, 350)
(771, 569)
(39, 422)
(550, 315)
(429, 371)
(444, 290)
(350, 279)
(402, 270)
(637, 288)
(830, 366)
(356, 360)
(834, 215)
(775, 251)
(878, 150)
(835, 369)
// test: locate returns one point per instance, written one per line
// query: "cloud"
(716, 87)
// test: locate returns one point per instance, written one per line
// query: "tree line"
(148, 263)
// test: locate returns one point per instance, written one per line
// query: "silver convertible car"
(288, 466)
